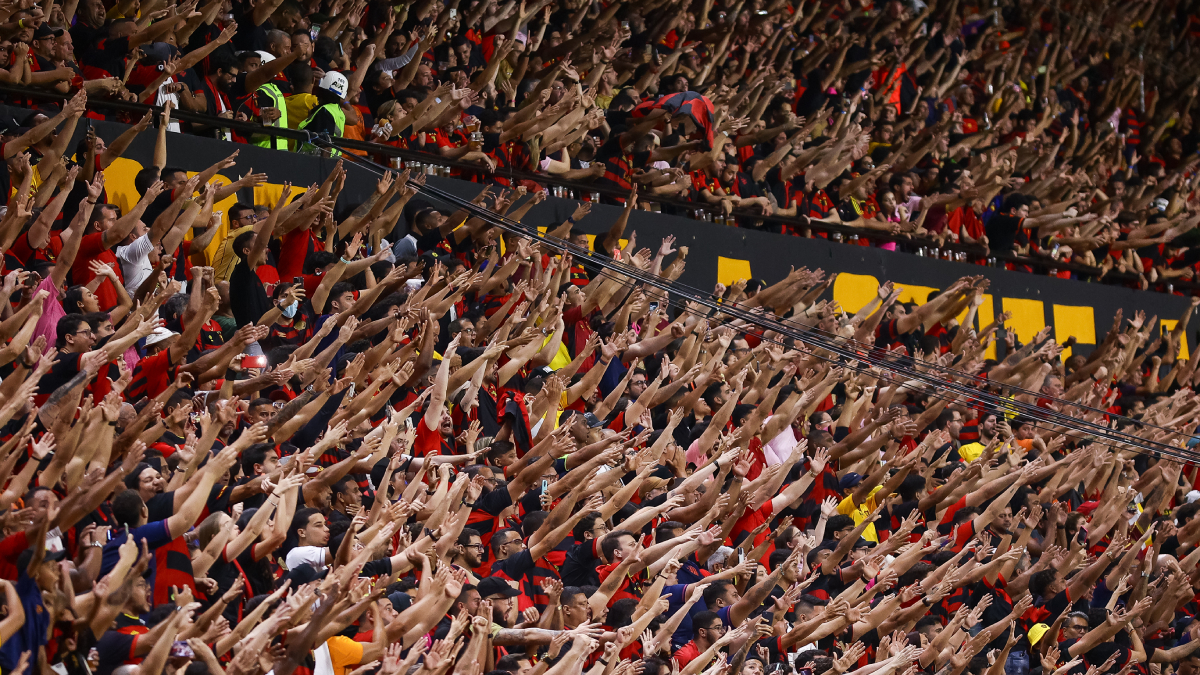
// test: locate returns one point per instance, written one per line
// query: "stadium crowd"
(329, 450)
(1014, 129)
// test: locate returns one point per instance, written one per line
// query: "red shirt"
(91, 247)
(631, 587)
(687, 654)
(151, 376)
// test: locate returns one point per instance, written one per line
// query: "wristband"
(345, 261)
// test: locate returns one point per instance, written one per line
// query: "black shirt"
(1002, 232)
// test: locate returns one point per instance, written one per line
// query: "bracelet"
(21, 23)
(92, 202)
(344, 261)
(468, 504)
(603, 661)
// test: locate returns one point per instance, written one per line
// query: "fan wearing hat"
(165, 351)
(500, 592)
(330, 116)
(44, 72)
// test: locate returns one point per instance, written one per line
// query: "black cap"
(490, 586)
(592, 421)
(400, 601)
(45, 31)
(863, 543)
(27, 555)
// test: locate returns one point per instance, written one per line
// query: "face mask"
(290, 310)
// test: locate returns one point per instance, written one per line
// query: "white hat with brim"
(159, 335)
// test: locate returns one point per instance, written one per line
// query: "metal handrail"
(923, 245)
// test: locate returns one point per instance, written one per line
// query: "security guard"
(328, 117)
(274, 111)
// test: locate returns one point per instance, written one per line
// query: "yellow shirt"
(971, 451)
(345, 653)
(298, 108)
(860, 512)
(225, 259)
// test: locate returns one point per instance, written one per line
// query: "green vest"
(277, 100)
(339, 118)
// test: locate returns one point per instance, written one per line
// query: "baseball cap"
(1036, 632)
(490, 586)
(27, 555)
(159, 335)
(850, 480)
(45, 31)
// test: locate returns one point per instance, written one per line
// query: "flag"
(689, 103)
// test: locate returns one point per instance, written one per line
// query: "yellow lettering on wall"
(854, 291)
(118, 183)
(1028, 317)
(730, 270)
(1074, 321)
(915, 294)
(1170, 324)
(986, 315)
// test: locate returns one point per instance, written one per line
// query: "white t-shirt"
(313, 555)
(135, 262)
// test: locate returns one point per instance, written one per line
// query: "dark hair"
(608, 545)
(838, 522)
(255, 454)
(703, 620)
(498, 541)
(464, 537)
(68, 325)
(339, 289)
(299, 521)
(1040, 582)
(532, 521)
(713, 592)
(145, 178)
(127, 508)
(666, 531)
(585, 525)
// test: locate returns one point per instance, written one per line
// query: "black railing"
(922, 246)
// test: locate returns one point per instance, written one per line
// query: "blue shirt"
(31, 634)
(156, 534)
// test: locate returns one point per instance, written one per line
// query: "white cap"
(335, 83)
(265, 56)
(159, 335)
(1193, 496)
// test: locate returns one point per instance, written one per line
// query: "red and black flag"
(687, 103)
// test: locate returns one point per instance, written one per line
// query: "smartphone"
(545, 486)
(181, 650)
(299, 281)
(254, 362)
(741, 555)
(654, 307)
(453, 13)
(194, 417)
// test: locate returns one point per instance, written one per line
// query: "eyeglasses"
(472, 331)
(86, 331)
(478, 547)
